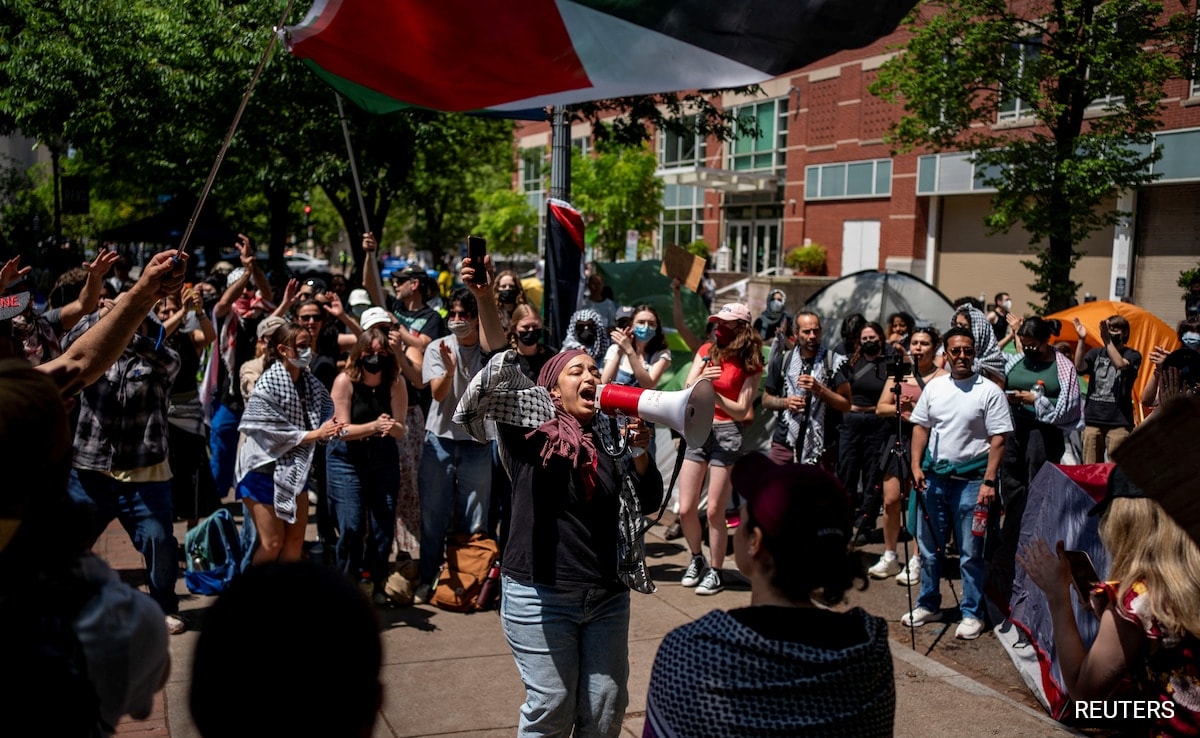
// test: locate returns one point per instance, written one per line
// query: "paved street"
(428, 651)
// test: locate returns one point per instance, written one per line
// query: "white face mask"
(303, 360)
(1191, 340)
(459, 328)
(1007, 305)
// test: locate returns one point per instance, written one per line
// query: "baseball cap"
(234, 275)
(410, 272)
(13, 304)
(359, 297)
(269, 325)
(794, 502)
(373, 317)
(732, 311)
(1118, 486)
(625, 312)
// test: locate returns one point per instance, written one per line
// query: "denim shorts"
(258, 487)
(723, 446)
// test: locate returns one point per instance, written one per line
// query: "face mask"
(643, 332)
(871, 348)
(1007, 305)
(1191, 339)
(1116, 338)
(723, 334)
(774, 306)
(303, 360)
(459, 328)
(507, 296)
(529, 338)
(358, 310)
(587, 336)
(372, 364)
(1033, 352)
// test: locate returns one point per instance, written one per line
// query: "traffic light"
(307, 212)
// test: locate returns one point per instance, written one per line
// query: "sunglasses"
(961, 351)
(459, 314)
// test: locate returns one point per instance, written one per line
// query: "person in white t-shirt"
(959, 427)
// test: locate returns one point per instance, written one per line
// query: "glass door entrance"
(754, 245)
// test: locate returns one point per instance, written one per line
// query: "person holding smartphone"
(1111, 371)
(1149, 624)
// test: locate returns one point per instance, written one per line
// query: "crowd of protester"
(399, 417)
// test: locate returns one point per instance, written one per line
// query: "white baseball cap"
(373, 317)
(359, 297)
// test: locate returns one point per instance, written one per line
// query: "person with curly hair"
(732, 361)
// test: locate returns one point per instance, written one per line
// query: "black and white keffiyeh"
(988, 358)
(278, 415)
(811, 421)
(599, 347)
(502, 393)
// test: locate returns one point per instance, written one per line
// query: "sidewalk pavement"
(452, 674)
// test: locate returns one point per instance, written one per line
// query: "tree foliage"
(507, 221)
(616, 191)
(1057, 101)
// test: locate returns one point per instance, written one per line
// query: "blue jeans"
(145, 513)
(222, 448)
(362, 484)
(455, 484)
(572, 649)
(951, 504)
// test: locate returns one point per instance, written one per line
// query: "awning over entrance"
(719, 180)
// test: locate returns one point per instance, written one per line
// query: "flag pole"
(362, 206)
(237, 117)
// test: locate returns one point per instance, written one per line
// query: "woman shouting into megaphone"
(565, 574)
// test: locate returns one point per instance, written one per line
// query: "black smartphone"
(476, 250)
(1083, 573)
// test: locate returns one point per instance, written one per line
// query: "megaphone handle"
(619, 434)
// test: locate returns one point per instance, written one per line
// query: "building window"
(583, 145)
(848, 180)
(769, 151)
(1026, 53)
(533, 183)
(682, 209)
(675, 150)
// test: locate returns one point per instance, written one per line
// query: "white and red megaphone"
(688, 411)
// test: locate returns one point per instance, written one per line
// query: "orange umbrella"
(1146, 331)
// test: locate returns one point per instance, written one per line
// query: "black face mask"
(530, 338)
(1033, 352)
(210, 301)
(871, 348)
(372, 364)
(586, 336)
(1116, 338)
(507, 296)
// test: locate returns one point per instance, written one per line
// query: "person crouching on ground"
(565, 601)
(785, 665)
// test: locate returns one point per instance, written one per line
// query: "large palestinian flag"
(514, 56)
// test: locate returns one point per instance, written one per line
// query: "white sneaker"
(885, 567)
(695, 570)
(911, 573)
(969, 629)
(711, 584)
(918, 617)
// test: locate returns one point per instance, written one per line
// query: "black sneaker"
(711, 584)
(691, 576)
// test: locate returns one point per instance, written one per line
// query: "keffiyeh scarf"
(502, 393)
(988, 359)
(598, 349)
(277, 417)
(812, 420)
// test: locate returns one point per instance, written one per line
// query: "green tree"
(616, 191)
(1087, 74)
(507, 221)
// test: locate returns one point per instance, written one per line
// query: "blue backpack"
(214, 554)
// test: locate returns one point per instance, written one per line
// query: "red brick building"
(821, 173)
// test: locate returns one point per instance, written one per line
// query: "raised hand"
(1080, 330)
(102, 264)
(369, 244)
(245, 251)
(11, 272)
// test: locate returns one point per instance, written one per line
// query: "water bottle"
(979, 520)
(1039, 390)
(490, 588)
